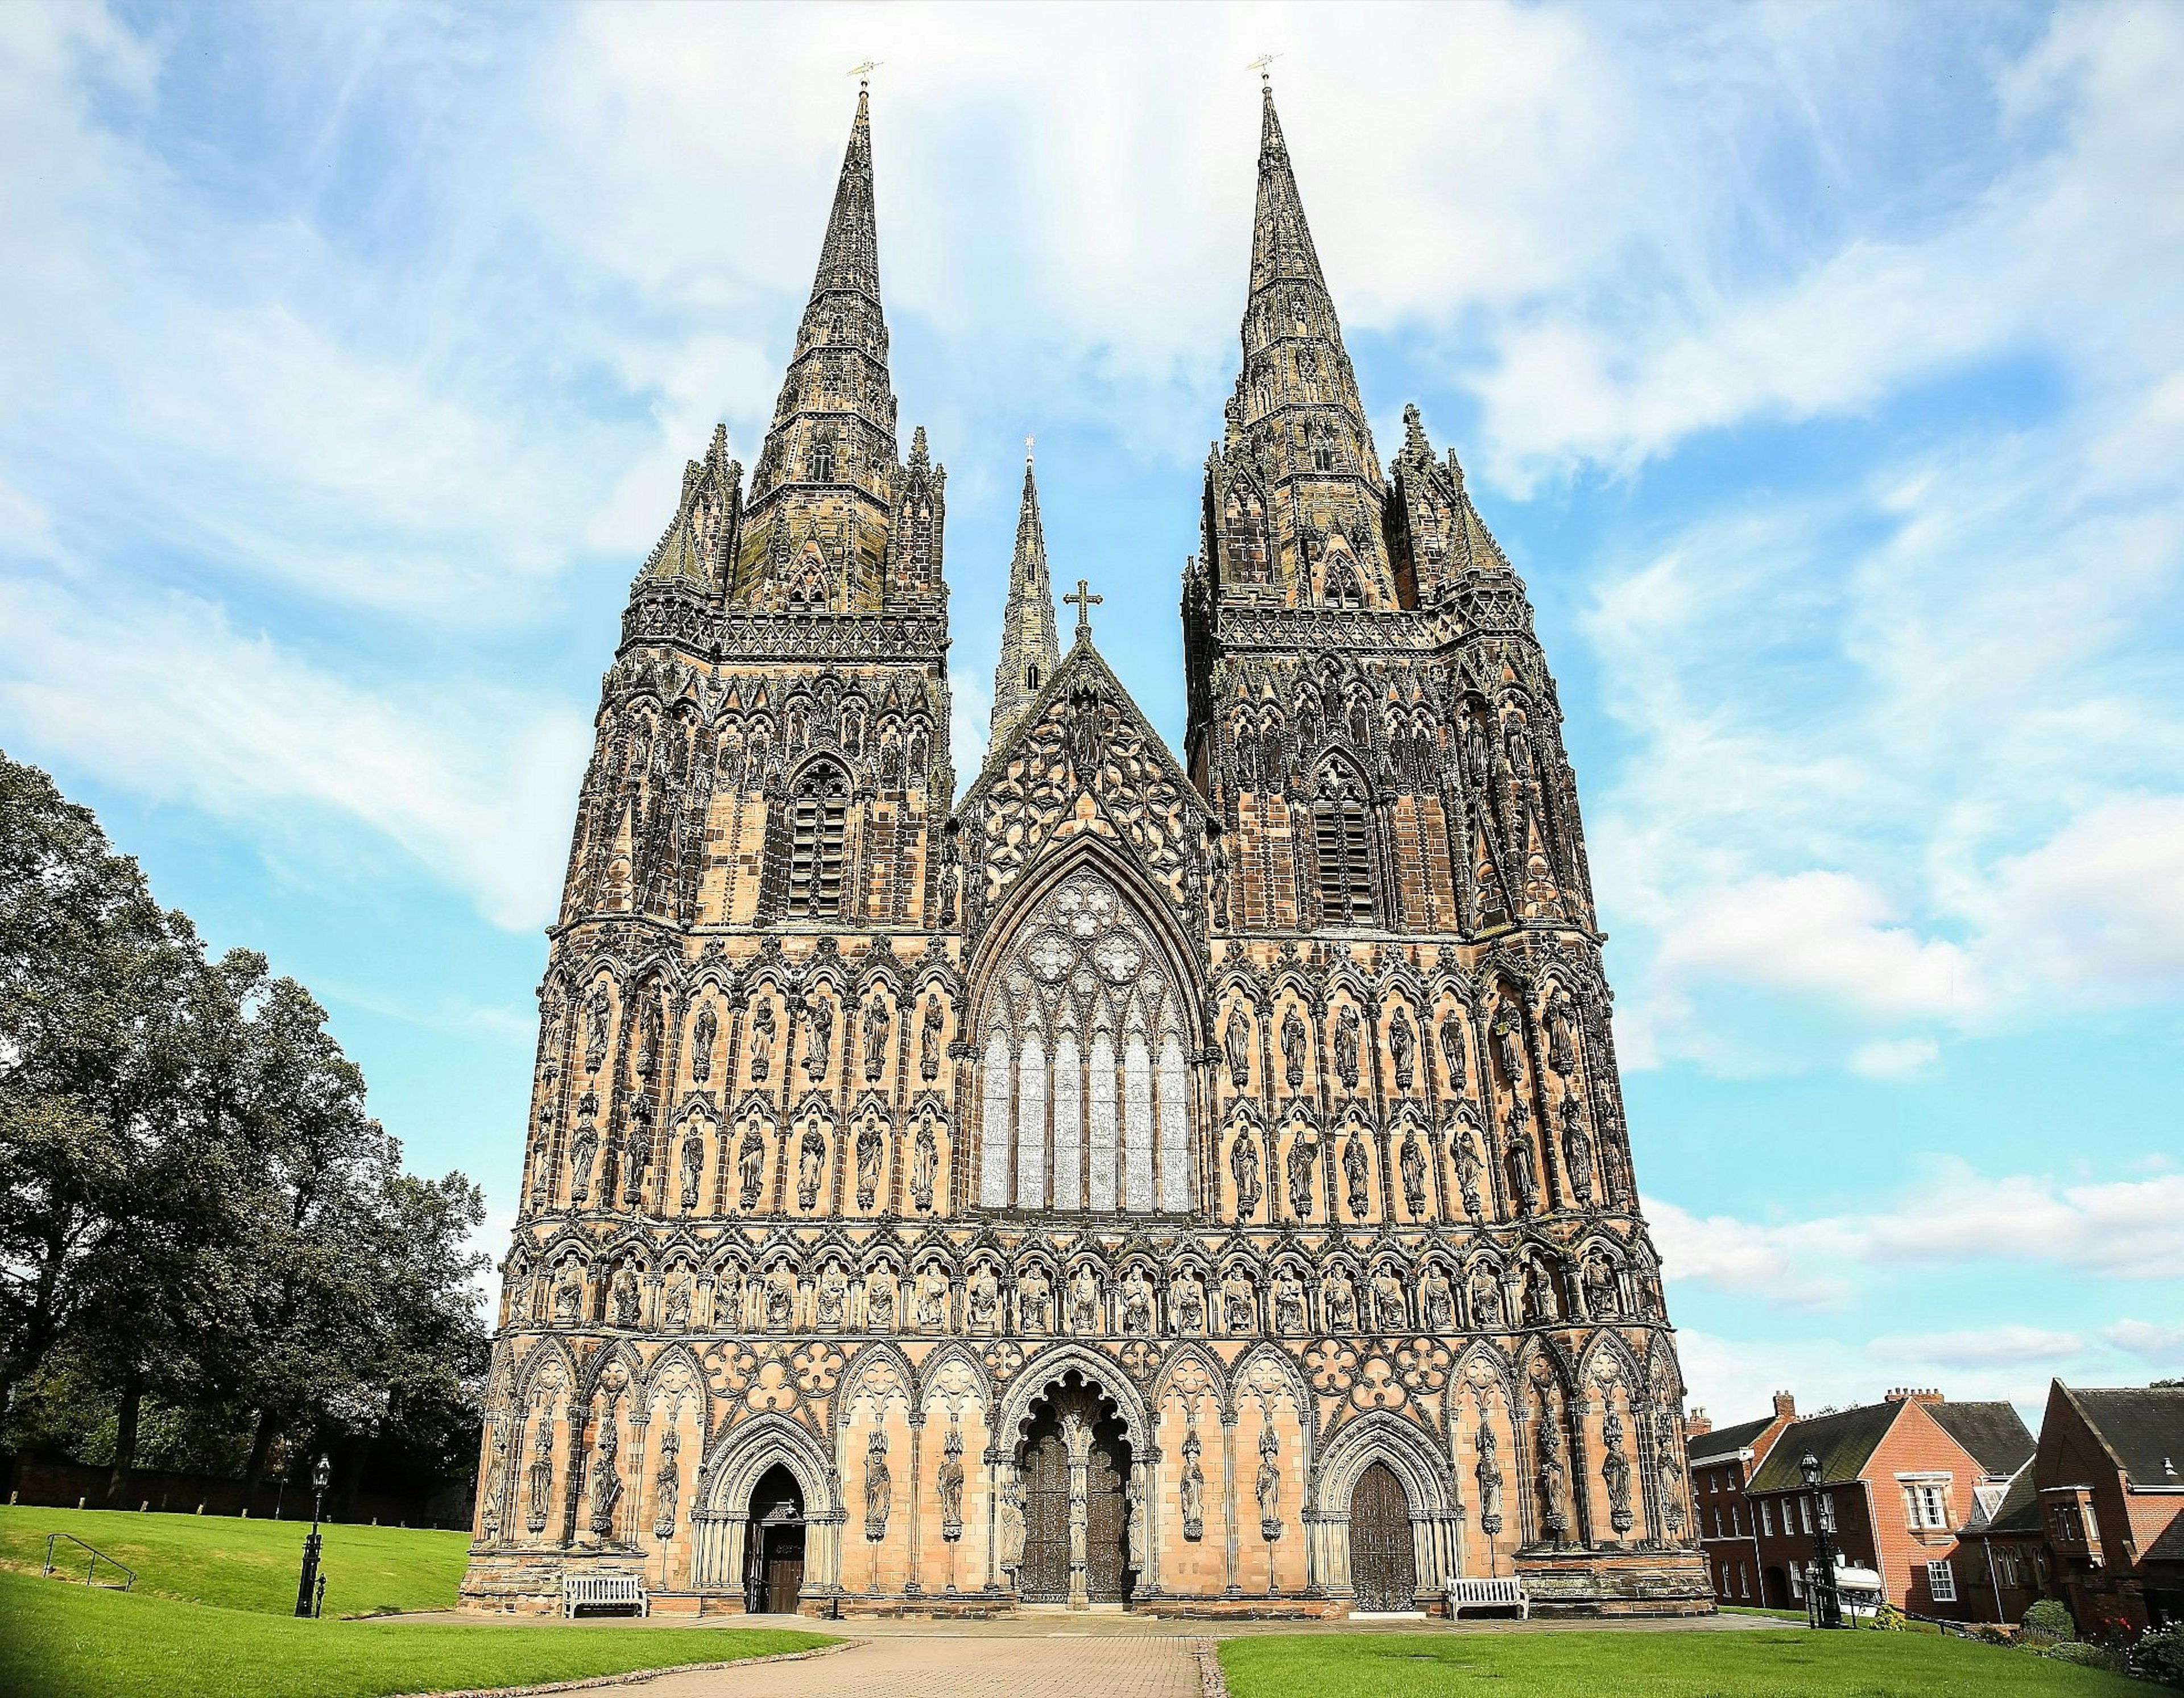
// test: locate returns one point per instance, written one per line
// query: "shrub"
(1887, 1619)
(2159, 1656)
(2049, 1620)
(2085, 1655)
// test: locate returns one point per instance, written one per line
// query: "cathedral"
(1193, 1186)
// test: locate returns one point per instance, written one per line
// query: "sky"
(1820, 368)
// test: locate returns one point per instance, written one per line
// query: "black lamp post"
(322, 1476)
(1823, 1602)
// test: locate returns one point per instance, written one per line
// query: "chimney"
(1915, 1395)
(1786, 1406)
(1696, 1424)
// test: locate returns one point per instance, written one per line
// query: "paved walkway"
(922, 1665)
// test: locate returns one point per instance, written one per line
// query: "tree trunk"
(125, 1438)
(356, 1474)
(261, 1447)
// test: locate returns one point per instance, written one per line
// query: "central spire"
(1030, 649)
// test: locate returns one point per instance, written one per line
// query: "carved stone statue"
(569, 1299)
(1085, 1318)
(1562, 1046)
(932, 1312)
(1402, 1049)
(1357, 1169)
(879, 1301)
(1244, 1164)
(1289, 1304)
(818, 1038)
(1347, 1033)
(1488, 1309)
(871, 1154)
(496, 1486)
(1436, 1300)
(675, 1306)
(595, 1030)
(647, 1061)
(1505, 1034)
(1187, 1305)
(1293, 1048)
(928, 1040)
(876, 1026)
(581, 1149)
(1536, 1295)
(1410, 1163)
(1601, 1295)
(1451, 1052)
(879, 1487)
(1577, 1149)
(704, 1032)
(1338, 1300)
(925, 1166)
(810, 1166)
(539, 1484)
(1034, 1295)
(982, 1300)
(750, 1167)
(948, 1483)
(780, 1299)
(1237, 1316)
(1524, 1181)
(666, 1484)
(623, 1298)
(762, 1031)
(1463, 1151)
(1137, 1303)
(1012, 1527)
(1237, 1040)
(1615, 1472)
(832, 1303)
(1553, 1485)
(1300, 1153)
(606, 1480)
(1269, 1485)
(1390, 1307)
(694, 1167)
(1488, 1473)
(1192, 1493)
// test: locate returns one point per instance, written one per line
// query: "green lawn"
(58, 1640)
(1793, 1663)
(250, 1564)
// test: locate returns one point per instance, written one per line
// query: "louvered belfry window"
(1345, 867)
(816, 818)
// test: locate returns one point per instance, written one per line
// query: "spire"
(1030, 650)
(1296, 432)
(826, 485)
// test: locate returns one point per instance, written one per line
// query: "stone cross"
(1084, 601)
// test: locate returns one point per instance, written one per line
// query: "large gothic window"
(817, 814)
(1085, 1094)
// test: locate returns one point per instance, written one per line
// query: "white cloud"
(2159, 1346)
(1905, 1058)
(1991, 1347)
(2100, 907)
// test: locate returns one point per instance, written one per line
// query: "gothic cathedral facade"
(1201, 1186)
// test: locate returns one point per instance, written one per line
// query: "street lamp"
(1823, 1600)
(306, 1604)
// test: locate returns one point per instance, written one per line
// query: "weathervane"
(863, 72)
(1263, 65)
(1027, 442)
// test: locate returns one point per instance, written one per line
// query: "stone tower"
(1201, 1189)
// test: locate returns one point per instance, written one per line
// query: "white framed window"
(1797, 1580)
(1941, 1582)
(1743, 1580)
(1805, 1511)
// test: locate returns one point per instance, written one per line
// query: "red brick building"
(1901, 1477)
(1722, 1461)
(2108, 1481)
(2004, 1564)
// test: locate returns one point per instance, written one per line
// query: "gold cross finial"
(1084, 601)
(863, 72)
(1027, 442)
(1264, 65)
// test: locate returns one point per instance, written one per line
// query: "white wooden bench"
(1507, 1593)
(604, 1592)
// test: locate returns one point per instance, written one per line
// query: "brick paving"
(923, 1666)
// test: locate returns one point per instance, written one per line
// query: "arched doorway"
(1775, 1585)
(773, 1572)
(1383, 1570)
(1072, 1427)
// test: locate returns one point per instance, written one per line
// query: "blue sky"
(1820, 367)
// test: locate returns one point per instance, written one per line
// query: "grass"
(1759, 1664)
(251, 1565)
(71, 1641)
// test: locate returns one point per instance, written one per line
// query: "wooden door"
(1384, 1572)
(784, 1569)
(1044, 1577)
(1105, 1516)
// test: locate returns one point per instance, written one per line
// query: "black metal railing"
(90, 1569)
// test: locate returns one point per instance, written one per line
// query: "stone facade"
(1204, 1188)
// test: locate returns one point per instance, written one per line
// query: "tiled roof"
(1842, 1441)
(2019, 1511)
(1994, 1433)
(1725, 1441)
(2142, 1425)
